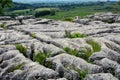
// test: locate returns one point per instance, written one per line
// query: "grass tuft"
(82, 73)
(75, 35)
(22, 49)
(71, 51)
(84, 54)
(33, 35)
(19, 66)
(96, 47)
(41, 58)
(3, 26)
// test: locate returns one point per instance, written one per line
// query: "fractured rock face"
(41, 49)
(5, 18)
(13, 61)
(100, 76)
(65, 61)
(106, 17)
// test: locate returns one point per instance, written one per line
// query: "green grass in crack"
(82, 73)
(74, 35)
(32, 35)
(96, 47)
(84, 54)
(3, 26)
(71, 51)
(22, 49)
(17, 67)
(41, 58)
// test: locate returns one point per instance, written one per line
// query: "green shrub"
(96, 47)
(42, 13)
(52, 12)
(74, 35)
(41, 58)
(3, 26)
(22, 49)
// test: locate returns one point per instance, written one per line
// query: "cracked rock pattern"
(40, 49)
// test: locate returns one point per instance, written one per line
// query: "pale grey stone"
(100, 76)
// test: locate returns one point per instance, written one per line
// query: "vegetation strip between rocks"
(84, 54)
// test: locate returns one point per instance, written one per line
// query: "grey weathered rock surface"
(100, 76)
(49, 37)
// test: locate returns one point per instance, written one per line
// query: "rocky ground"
(44, 49)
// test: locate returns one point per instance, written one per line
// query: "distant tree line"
(62, 6)
(44, 13)
(20, 6)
